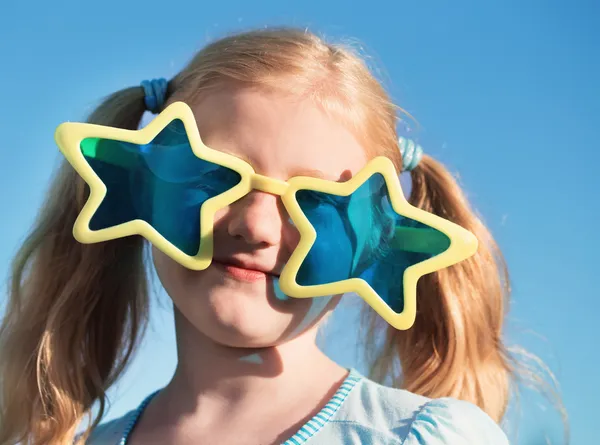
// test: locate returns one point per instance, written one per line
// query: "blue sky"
(506, 93)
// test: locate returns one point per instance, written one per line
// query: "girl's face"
(233, 301)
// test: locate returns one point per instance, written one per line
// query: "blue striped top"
(364, 412)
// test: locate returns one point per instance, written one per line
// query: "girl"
(249, 371)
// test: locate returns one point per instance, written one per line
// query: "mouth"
(241, 272)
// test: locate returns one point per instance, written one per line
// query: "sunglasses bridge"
(268, 185)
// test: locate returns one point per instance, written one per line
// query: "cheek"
(290, 237)
(220, 215)
(168, 271)
(181, 284)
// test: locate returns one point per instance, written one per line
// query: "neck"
(214, 378)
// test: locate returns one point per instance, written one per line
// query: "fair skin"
(248, 362)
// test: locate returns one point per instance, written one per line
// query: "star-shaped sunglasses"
(359, 236)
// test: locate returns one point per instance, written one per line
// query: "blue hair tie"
(155, 91)
(411, 153)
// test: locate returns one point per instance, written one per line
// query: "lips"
(244, 270)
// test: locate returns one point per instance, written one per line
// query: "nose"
(257, 219)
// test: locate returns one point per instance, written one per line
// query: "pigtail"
(455, 347)
(74, 311)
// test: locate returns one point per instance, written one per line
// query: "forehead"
(279, 135)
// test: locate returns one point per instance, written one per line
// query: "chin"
(235, 317)
(253, 334)
(244, 320)
(243, 340)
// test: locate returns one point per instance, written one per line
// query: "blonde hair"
(76, 312)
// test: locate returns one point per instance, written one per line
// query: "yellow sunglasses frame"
(69, 136)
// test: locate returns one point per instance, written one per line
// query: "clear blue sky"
(507, 94)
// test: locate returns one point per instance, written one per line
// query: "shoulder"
(111, 432)
(448, 421)
(410, 419)
(377, 405)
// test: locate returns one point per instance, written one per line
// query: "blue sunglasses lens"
(361, 236)
(162, 183)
